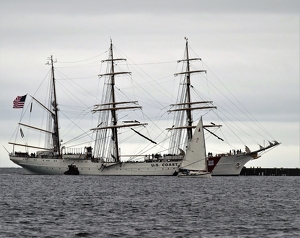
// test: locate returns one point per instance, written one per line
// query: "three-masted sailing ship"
(221, 164)
(105, 157)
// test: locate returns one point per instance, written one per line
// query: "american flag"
(19, 101)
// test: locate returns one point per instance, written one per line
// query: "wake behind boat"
(105, 157)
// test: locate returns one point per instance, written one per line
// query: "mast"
(188, 92)
(113, 111)
(55, 135)
(187, 103)
(111, 106)
(185, 106)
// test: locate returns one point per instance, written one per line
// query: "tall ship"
(229, 163)
(105, 157)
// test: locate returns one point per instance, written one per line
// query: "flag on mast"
(19, 101)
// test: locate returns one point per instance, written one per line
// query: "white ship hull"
(46, 166)
(229, 165)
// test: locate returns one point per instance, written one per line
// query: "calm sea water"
(78, 206)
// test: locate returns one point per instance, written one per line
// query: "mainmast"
(113, 106)
(55, 135)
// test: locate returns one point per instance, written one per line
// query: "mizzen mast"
(55, 135)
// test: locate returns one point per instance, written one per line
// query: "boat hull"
(195, 175)
(51, 166)
(228, 165)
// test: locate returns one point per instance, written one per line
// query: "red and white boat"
(221, 164)
(232, 164)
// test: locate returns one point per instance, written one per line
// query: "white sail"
(195, 157)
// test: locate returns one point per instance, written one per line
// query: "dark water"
(78, 206)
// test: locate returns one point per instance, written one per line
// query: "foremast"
(111, 105)
(185, 104)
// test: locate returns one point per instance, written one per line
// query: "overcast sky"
(251, 46)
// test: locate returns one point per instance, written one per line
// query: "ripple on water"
(75, 206)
